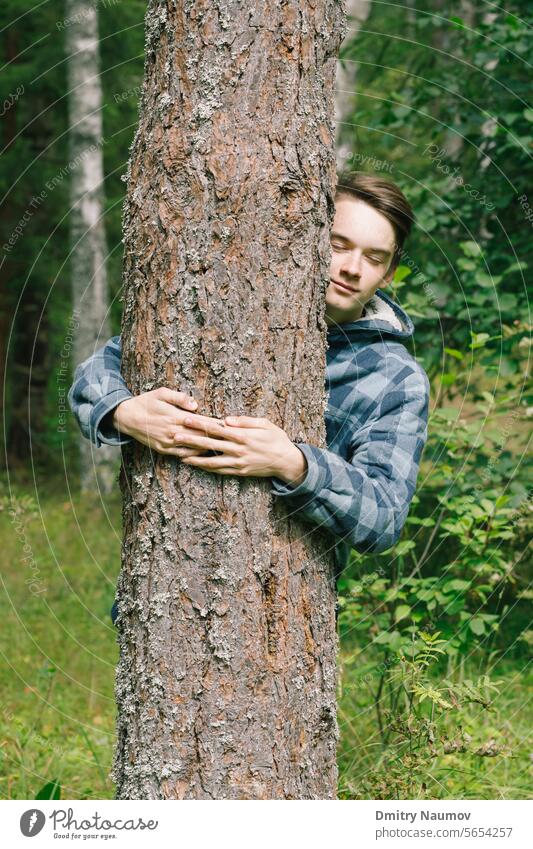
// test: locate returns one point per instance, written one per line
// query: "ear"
(387, 279)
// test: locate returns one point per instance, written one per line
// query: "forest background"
(435, 678)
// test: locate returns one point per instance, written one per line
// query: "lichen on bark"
(227, 678)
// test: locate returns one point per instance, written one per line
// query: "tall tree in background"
(7, 138)
(227, 673)
(87, 227)
(358, 11)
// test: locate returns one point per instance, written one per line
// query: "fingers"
(179, 399)
(196, 441)
(222, 465)
(246, 421)
(188, 452)
(177, 451)
(208, 425)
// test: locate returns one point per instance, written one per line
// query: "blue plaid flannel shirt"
(358, 488)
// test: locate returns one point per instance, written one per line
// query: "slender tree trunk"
(358, 12)
(7, 267)
(453, 140)
(87, 229)
(227, 674)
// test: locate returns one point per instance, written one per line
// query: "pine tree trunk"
(226, 682)
(87, 228)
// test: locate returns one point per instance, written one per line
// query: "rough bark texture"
(87, 227)
(227, 675)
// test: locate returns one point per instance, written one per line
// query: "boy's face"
(362, 245)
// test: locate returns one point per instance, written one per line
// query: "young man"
(360, 487)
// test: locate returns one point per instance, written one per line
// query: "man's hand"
(249, 446)
(156, 419)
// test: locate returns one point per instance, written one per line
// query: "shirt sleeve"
(364, 501)
(97, 389)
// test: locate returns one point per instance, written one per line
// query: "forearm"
(98, 387)
(364, 500)
(365, 510)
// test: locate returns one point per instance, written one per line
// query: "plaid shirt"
(358, 488)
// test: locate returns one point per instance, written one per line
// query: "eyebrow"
(382, 251)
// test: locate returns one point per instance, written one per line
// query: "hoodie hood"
(381, 316)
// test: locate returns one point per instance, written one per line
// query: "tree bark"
(227, 674)
(87, 227)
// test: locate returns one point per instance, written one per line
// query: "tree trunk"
(87, 228)
(227, 675)
(358, 12)
(8, 215)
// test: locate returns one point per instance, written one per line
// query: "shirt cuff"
(314, 479)
(107, 433)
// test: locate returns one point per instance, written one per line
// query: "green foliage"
(456, 588)
(51, 790)
(34, 181)
(441, 111)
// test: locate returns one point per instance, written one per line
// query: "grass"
(497, 763)
(58, 646)
(61, 558)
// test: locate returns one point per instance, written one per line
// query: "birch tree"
(227, 673)
(87, 227)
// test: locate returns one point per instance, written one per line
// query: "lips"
(343, 286)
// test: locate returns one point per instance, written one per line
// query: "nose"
(351, 263)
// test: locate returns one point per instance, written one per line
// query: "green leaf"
(382, 639)
(454, 353)
(480, 339)
(388, 638)
(425, 523)
(457, 22)
(466, 264)
(455, 606)
(404, 546)
(487, 281)
(401, 273)
(425, 595)
(456, 584)
(528, 114)
(51, 790)
(401, 612)
(470, 248)
(520, 265)
(477, 626)
(400, 111)
(450, 414)
(507, 301)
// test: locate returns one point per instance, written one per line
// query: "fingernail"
(231, 420)
(193, 405)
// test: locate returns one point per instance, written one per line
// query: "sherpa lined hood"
(381, 315)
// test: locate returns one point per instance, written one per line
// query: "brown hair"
(383, 196)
